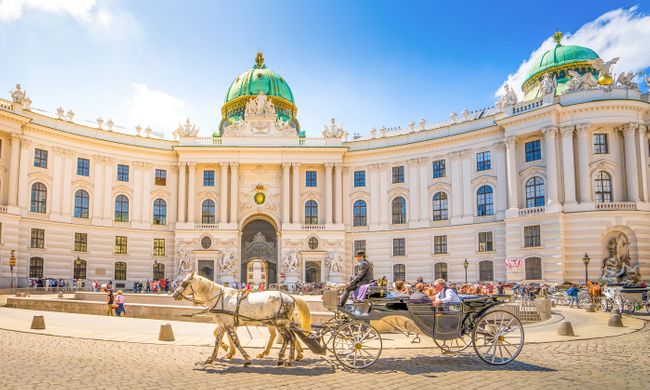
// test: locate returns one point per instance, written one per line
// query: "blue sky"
(369, 64)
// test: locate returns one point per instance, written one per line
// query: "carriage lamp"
(465, 264)
(585, 260)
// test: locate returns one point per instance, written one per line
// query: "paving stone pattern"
(36, 361)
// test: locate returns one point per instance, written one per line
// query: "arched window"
(208, 211)
(121, 209)
(79, 269)
(535, 192)
(485, 271)
(440, 206)
(399, 210)
(81, 204)
(484, 201)
(39, 198)
(36, 267)
(360, 213)
(120, 270)
(603, 187)
(533, 268)
(399, 272)
(440, 271)
(158, 271)
(311, 212)
(159, 212)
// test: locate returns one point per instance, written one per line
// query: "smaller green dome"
(561, 55)
(260, 78)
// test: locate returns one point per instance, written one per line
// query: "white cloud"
(623, 33)
(104, 18)
(157, 109)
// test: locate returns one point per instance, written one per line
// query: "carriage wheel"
(357, 345)
(454, 345)
(498, 337)
(328, 338)
(583, 300)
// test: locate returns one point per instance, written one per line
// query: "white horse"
(271, 308)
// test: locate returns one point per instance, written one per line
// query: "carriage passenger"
(400, 288)
(419, 294)
(444, 294)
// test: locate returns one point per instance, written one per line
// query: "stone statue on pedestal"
(616, 266)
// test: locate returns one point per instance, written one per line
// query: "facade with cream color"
(517, 192)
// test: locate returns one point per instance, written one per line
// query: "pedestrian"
(148, 286)
(120, 303)
(110, 301)
(572, 293)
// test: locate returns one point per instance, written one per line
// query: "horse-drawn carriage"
(497, 336)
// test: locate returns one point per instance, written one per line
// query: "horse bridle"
(184, 284)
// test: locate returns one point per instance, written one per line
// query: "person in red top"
(163, 283)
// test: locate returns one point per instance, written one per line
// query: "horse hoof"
(247, 363)
(228, 357)
(280, 363)
(287, 364)
(260, 356)
(298, 358)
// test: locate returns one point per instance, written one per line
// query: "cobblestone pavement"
(36, 361)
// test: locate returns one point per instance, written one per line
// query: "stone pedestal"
(291, 278)
(335, 277)
(227, 278)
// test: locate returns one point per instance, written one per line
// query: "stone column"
(583, 162)
(338, 193)
(295, 196)
(286, 202)
(98, 188)
(67, 183)
(375, 205)
(108, 190)
(618, 153)
(631, 175)
(328, 193)
(425, 202)
(182, 192)
(191, 191)
(502, 182)
(172, 209)
(13, 169)
(643, 155)
(413, 213)
(234, 192)
(347, 207)
(513, 173)
(26, 151)
(383, 208)
(57, 155)
(146, 215)
(551, 165)
(468, 210)
(455, 196)
(223, 196)
(569, 164)
(138, 192)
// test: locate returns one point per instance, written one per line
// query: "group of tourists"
(55, 284)
(114, 301)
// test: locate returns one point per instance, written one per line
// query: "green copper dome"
(249, 85)
(557, 62)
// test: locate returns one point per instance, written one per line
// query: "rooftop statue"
(548, 85)
(578, 82)
(508, 99)
(616, 266)
(334, 130)
(625, 80)
(188, 129)
(604, 70)
(18, 94)
(260, 105)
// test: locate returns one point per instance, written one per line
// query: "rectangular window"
(440, 245)
(81, 242)
(40, 158)
(120, 270)
(359, 245)
(37, 239)
(600, 144)
(161, 177)
(398, 174)
(483, 161)
(310, 179)
(122, 172)
(439, 169)
(485, 243)
(208, 178)
(83, 167)
(533, 150)
(359, 178)
(36, 267)
(399, 246)
(532, 236)
(120, 245)
(159, 247)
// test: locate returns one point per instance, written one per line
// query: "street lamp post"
(585, 260)
(465, 264)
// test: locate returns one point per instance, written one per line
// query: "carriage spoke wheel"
(454, 345)
(498, 337)
(357, 345)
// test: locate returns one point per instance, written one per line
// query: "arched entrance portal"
(259, 247)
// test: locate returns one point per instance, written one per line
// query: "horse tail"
(304, 316)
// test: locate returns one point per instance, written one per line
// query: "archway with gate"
(259, 251)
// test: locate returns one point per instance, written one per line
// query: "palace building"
(519, 191)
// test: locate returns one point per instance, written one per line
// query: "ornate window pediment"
(436, 187)
(484, 179)
(398, 191)
(602, 165)
(82, 183)
(39, 176)
(360, 194)
(315, 195)
(207, 194)
(533, 170)
(122, 189)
